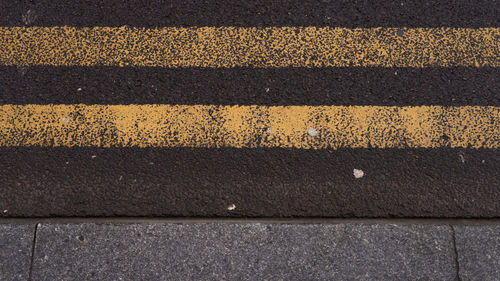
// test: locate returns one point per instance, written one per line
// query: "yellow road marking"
(250, 126)
(250, 47)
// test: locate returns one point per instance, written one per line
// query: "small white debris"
(482, 161)
(46, 257)
(151, 163)
(22, 70)
(269, 131)
(462, 159)
(79, 89)
(65, 120)
(94, 156)
(29, 17)
(67, 162)
(312, 132)
(267, 90)
(231, 207)
(121, 177)
(5, 211)
(395, 73)
(358, 173)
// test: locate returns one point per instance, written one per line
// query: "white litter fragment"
(231, 207)
(312, 132)
(29, 17)
(358, 173)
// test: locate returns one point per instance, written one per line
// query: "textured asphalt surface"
(250, 251)
(259, 182)
(48, 182)
(248, 86)
(405, 13)
(442, 182)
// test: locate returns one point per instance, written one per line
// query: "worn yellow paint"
(250, 126)
(250, 46)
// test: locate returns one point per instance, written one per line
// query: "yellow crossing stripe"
(250, 126)
(250, 46)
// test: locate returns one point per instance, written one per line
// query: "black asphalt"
(285, 86)
(259, 182)
(45, 182)
(152, 13)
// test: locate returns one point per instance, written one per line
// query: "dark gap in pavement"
(32, 252)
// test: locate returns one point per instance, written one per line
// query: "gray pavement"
(479, 252)
(250, 251)
(16, 242)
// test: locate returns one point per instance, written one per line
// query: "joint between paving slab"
(457, 262)
(32, 258)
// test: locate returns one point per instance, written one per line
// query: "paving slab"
(16, 242)
(249, 251)
(478, 249)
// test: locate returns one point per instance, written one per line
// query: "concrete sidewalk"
(250, 250)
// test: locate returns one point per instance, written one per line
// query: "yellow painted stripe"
(250, 46)
(250, 126)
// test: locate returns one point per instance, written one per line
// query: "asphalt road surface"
(216, 109)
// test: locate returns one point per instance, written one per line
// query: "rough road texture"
(248, 86)
(405, 13)
(263, 47)
(441, 182)
(259, 182)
